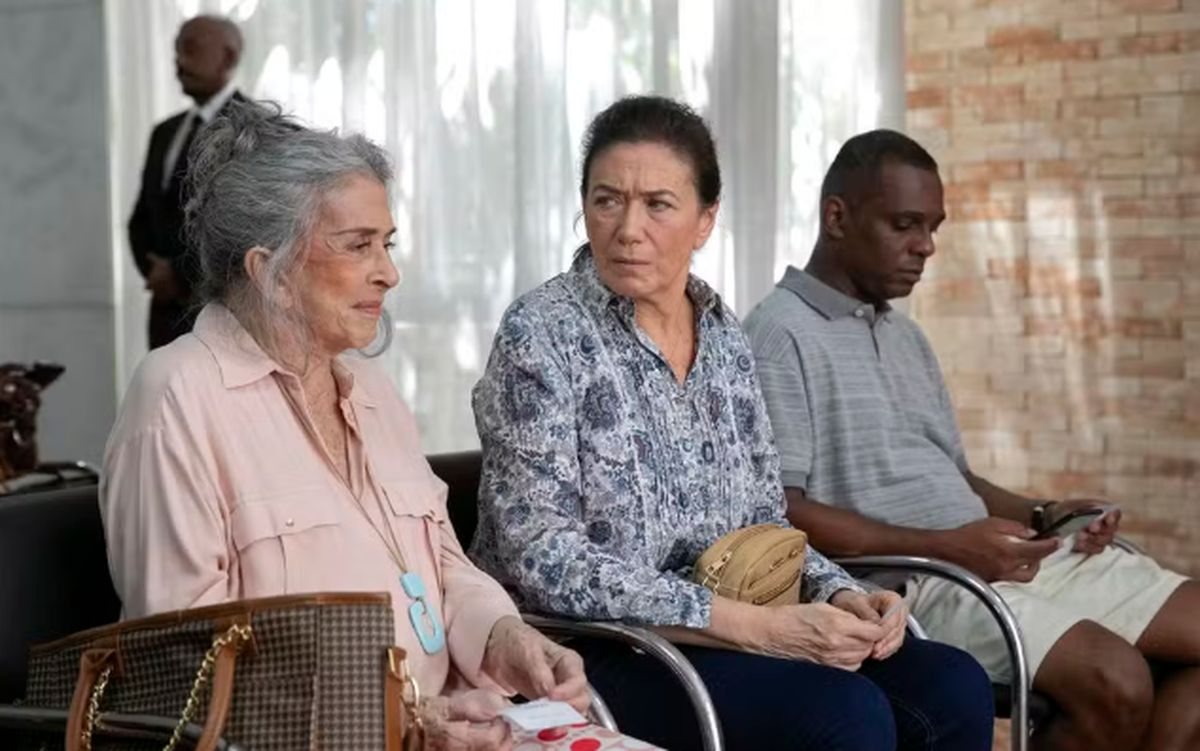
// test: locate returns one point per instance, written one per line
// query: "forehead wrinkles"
(644, 167)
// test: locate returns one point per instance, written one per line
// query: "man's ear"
(229, 61)
(835, 215)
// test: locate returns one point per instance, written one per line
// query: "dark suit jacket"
(156, 226)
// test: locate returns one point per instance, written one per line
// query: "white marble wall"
(56, 290)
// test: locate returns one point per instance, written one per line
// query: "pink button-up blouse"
(215, 488)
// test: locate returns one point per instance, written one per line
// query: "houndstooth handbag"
(279, 673)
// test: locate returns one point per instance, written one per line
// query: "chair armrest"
(655, 646)
(1129, 546)
(599, 711)
(131, 727)
(992, 601)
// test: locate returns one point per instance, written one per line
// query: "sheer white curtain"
(482, 104)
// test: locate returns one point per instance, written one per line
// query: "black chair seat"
(55, 577)
(460, 470)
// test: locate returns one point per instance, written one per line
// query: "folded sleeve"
(781, 376)
(823, 578)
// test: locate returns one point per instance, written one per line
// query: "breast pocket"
(288, 543)
(418, 507)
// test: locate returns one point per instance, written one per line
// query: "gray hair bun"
(242, 127)
(256, 178)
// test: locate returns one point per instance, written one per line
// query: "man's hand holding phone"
(996, 549)
(1094, 524)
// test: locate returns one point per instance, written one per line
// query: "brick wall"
(1064, 301)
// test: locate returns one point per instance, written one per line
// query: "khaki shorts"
(1119, 590)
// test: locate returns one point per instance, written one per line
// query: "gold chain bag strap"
(761, 564)
(270, 674)
(227, 644)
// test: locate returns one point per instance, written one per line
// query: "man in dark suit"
(207, 51)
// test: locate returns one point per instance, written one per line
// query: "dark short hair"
(856, 168)
(229, 30)
(656, 119)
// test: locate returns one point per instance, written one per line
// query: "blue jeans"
(926, 697)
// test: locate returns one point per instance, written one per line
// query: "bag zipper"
(778, 589)
(714, 569)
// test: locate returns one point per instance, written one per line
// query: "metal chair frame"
(657, 647)
(999, 610)
(1009, 628)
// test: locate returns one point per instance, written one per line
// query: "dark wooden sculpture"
(20, 397)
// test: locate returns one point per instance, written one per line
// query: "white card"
(542, 714)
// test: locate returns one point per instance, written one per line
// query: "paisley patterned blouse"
(603, 477)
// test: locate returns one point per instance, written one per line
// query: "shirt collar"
(242, 360)
(826, 300)
(600, 298)
(214, 105)
(350, 386)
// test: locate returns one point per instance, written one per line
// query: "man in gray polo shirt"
(873, 463)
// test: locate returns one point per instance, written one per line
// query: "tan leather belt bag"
(761, 564)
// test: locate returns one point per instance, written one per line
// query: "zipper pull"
(713, 571)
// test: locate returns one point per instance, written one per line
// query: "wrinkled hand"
(1095, 537)
(997, 549)
(467, 721)
(871, 607)
(521, 659)
(821, 633)
(161, 281)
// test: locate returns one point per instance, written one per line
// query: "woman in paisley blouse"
(623, 432)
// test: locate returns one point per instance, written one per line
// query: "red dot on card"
(581, 724)
(552, 734)
(585, 744)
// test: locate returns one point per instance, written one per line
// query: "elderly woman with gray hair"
(260, 455)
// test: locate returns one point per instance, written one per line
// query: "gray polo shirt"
(859, 409)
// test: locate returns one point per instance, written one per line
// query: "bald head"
(207, 51)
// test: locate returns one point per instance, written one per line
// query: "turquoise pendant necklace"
(424, 620)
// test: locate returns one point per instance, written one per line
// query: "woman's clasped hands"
(851, 628)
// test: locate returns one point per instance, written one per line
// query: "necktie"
(182, 162)
(178, 167)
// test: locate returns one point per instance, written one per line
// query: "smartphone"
(1074, 522)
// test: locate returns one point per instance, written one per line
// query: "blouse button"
(290, 522)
